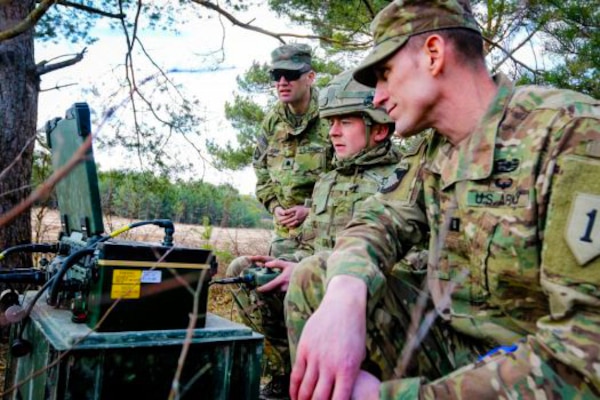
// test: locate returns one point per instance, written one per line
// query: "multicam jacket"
(289, 159)
(512, 215)
(339, 192)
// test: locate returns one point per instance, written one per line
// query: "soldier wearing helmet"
(364, 161)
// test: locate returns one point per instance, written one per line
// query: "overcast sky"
(190, 50)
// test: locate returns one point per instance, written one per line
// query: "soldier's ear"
(434, 50)
(379, 132)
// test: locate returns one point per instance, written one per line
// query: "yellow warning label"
(126, 284)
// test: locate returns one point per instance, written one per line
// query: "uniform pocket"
(311, 159)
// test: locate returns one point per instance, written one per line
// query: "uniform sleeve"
(384, 227)
(265, 189)
(378, 236)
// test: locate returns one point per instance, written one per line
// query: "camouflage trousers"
(389, 318)
(263, 313)
(281, 246)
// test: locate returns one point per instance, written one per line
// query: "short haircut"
(468, 44)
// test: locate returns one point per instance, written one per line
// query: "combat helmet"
(344, 95)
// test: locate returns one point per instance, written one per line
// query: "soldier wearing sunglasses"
(293, 146)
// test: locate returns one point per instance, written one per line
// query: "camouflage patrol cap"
(402, 19)
(295, 56)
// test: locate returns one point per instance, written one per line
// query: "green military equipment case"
(70, 361)
(125, 331)
(155, 287)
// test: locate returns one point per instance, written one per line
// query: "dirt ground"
(228, 243)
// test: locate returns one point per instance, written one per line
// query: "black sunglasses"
(288, 74)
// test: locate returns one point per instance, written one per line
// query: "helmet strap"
(368, 124)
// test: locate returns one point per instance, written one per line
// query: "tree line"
(144, 195)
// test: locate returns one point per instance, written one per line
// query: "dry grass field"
(228, 243)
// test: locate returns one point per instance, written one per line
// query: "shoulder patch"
(583, 227)
(390, 183)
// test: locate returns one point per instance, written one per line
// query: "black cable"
(31, 248)
(67, 263)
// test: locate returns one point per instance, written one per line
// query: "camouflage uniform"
(290, 154)
(511, 212)
(335, 197)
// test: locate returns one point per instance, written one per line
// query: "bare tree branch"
(48, 185)
(509, 55)
(90, 10)
(44, 67)
(58, 87)
(17, 158)
(369, 8)
(513, 50)
(275, 35)
(29, 22)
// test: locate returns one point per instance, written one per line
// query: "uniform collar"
(311, 114)
(473, 158)
(383, 153)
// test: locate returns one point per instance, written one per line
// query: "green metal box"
(138, 286)
(70, 361)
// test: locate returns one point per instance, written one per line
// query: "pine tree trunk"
(18, 119)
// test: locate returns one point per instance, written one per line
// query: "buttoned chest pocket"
(310, 160)
(505, 258)
(276, 158)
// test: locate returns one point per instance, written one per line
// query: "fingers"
(263, 259)
(323, 387)
(272, 285)
(288, 221)
(309, 381)
(343, 387)
(276, 263)
(296, 376)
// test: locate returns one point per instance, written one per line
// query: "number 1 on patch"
(583, 230)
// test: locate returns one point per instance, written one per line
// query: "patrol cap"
(402, 19)
(295, 56)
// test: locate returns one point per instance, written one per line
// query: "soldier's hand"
(301, 213)
(333, 342)
(282, 281)
(286, 217)
(260, 259)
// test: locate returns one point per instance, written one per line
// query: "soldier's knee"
(236, 266)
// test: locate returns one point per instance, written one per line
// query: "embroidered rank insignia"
(504, 166)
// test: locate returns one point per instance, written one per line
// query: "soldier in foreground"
(364, 159)
(292, 148)
(509, 193)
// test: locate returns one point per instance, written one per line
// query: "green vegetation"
(546, 42)
(142, 195)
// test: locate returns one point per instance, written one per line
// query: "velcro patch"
(583, 227)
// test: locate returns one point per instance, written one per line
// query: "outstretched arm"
(328, 369)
